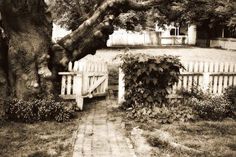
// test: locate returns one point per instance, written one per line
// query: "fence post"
(63, 85)
(70, 68)
(206, 81)
(121, 92)
(106, 82)
(78, 83)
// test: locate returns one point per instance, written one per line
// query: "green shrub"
(40, 154)
(230, 94)
(166, 114)
(208, 106)
(194, 92)
(148, 78)
(38, 110)
(213, 108)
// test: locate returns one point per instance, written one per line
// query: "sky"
(58, 32)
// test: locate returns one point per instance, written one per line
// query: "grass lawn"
(212, 138)
(41, 139)
(185, 53)
(209, 137)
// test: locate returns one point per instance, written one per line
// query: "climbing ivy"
(148, 78)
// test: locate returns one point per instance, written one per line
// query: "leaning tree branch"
(73, 42)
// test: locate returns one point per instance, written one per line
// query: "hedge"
(38, 110)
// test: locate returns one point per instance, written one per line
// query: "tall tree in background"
(209, 12)
(29, 61)
(206, 14)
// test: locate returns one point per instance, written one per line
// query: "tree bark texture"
(27, 27)
(3, 72)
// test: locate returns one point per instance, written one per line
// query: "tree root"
(45, 72)
(166, 138)
(143, 148)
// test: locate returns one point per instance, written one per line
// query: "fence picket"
(76, 66)
(231, 69)
(215, 78)
(190, 77)
(69, 80)
(187, 66)
(211, 79)
(226, 77)
(70, 66)
(105, 87)
(76, 84)
(185, 80)
(200, 69)
(104, 83)
(85, 82)
(234, 77)
(206, 77)
(100, 87)
(195, 77)
(220, 86)
(63, 85)
(121, 93)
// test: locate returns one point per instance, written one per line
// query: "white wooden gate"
(84, 79)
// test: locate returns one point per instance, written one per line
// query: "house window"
(172, 31)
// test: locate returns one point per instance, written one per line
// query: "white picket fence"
(212, 77)
(84, 78)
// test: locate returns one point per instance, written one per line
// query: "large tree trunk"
(28, 31)
(26, 56)
(3, 72)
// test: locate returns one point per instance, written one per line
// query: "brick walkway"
(99, 137)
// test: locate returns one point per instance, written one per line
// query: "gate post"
(192, 34)
(121, 92)
(78, 84)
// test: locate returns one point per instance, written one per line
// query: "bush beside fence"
(148, 78)
(39, 110)
(146, 83)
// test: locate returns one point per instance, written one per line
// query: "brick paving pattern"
(99, 137)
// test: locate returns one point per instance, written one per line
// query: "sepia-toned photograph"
(117, 78)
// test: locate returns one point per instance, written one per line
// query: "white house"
(169, 35)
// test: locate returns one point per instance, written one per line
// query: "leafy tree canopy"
(71, 13)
